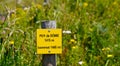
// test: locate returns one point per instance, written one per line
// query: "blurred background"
(94, 25)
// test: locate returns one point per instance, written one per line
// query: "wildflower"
(72, 41)
(90, 29)
(38, 6)
(67, 32)
(11, 42)
(115, 3)
(85, 4)
(74, 47)
(106, 49)
(103, 49)
(109, 55)
(27, 8)
(81, 62)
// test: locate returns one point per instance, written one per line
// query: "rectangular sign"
(49, 41)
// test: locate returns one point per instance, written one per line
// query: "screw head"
(48, 51)
(48, 30)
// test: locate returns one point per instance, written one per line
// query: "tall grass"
(94, 40)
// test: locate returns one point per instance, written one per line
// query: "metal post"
(48, 59)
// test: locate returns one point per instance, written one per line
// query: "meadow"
(94, 26)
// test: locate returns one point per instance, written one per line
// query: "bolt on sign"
(49, 41)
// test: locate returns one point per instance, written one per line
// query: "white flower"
(81, 62)
(67, 32)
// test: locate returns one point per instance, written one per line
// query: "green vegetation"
(95, 38)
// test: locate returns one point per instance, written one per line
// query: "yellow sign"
(49, 41)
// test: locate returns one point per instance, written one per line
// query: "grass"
(94, 40)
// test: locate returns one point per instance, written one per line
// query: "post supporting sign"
(49, 42)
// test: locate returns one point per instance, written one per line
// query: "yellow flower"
(11, 42)
(109, 55)
(106, 49)
(74, 47)
(115, 3)
(103, 49)
(90, 29)
(38, 6)
(85, 4)
(72, 41)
